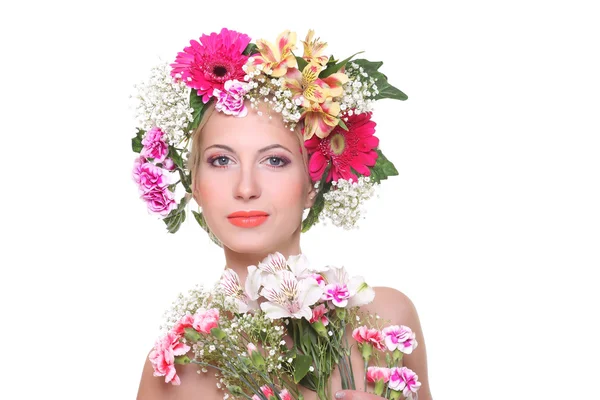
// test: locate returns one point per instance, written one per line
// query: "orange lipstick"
(247, 219)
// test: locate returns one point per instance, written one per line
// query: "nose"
(247, 186)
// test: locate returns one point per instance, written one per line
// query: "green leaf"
(301, 365)
(176, 216)
(136, 142)
(252, 48)
(386, 90)
(218, 333)
(186, 180)
(301, 63)
(313, 215)
(199, 108)
(333, 68)
(200, 220)
(382, 169)
(343, 125)
(176, 157)
(182, 359)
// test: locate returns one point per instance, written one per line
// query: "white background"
(491, 228)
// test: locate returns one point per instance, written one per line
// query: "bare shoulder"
(193, 385)
(394, 306)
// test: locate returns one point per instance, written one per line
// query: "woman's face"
(252, 165)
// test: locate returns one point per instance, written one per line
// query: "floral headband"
(331, 102)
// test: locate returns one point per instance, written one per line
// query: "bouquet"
(283, 328)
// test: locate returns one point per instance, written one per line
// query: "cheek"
(289, 192)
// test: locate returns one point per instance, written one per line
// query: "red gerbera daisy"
(347, 150)
(207, 65)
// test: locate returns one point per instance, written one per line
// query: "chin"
(255, 241)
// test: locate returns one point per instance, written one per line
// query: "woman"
(249, 170)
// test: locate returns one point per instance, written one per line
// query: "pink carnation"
(205, 320)
(399, 337)
(371, 336)
(154, 146)
(375, 374)
(162, 357)
(147, 175)
(230, 101)
(159, 201)
(338, 294)
(405, 380)
(185, 322)
(318, 314)
(268, 393)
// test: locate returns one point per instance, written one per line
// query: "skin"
(237, 173)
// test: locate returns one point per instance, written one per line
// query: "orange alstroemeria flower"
(320, 119)
(313, 49)
(312, 88)
(276, 58)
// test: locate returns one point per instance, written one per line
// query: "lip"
(247, 219)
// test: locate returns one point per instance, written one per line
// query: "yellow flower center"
(337, 144)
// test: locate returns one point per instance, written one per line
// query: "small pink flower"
(337, 293)
(266, 390)
(375, 374)
(159, 201)
(154, 146)
(147, 175)
(319, 314)
(204, 321)
(251, 348)
(185, 322)
(371, 336)
(162, 357)
(169, 164)
(230, 101)
(319, 278)
(399, 337)
(285, 395)
(405, 380)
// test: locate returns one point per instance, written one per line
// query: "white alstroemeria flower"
(300, 266)
(230, 283)
(355, 290)
(288, 296)
(270, 265)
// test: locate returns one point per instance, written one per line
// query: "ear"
(311, 197)
(196, 196)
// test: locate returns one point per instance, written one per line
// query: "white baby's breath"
(343, 204)
(359, 92)
(164, 103)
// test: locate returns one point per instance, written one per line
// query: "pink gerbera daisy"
(207, 65)
(347, 150)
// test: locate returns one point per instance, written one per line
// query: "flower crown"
(329, 100)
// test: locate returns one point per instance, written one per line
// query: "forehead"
(251, 131)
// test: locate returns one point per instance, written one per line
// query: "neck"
(239, 262)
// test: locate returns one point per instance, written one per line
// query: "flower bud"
(191, 334)
(320, 328)
(169, 164)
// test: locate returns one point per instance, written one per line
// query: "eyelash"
(284, 160)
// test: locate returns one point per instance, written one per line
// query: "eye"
(275, 161)
(219, 161)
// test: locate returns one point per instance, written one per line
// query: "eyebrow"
(272, 146)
